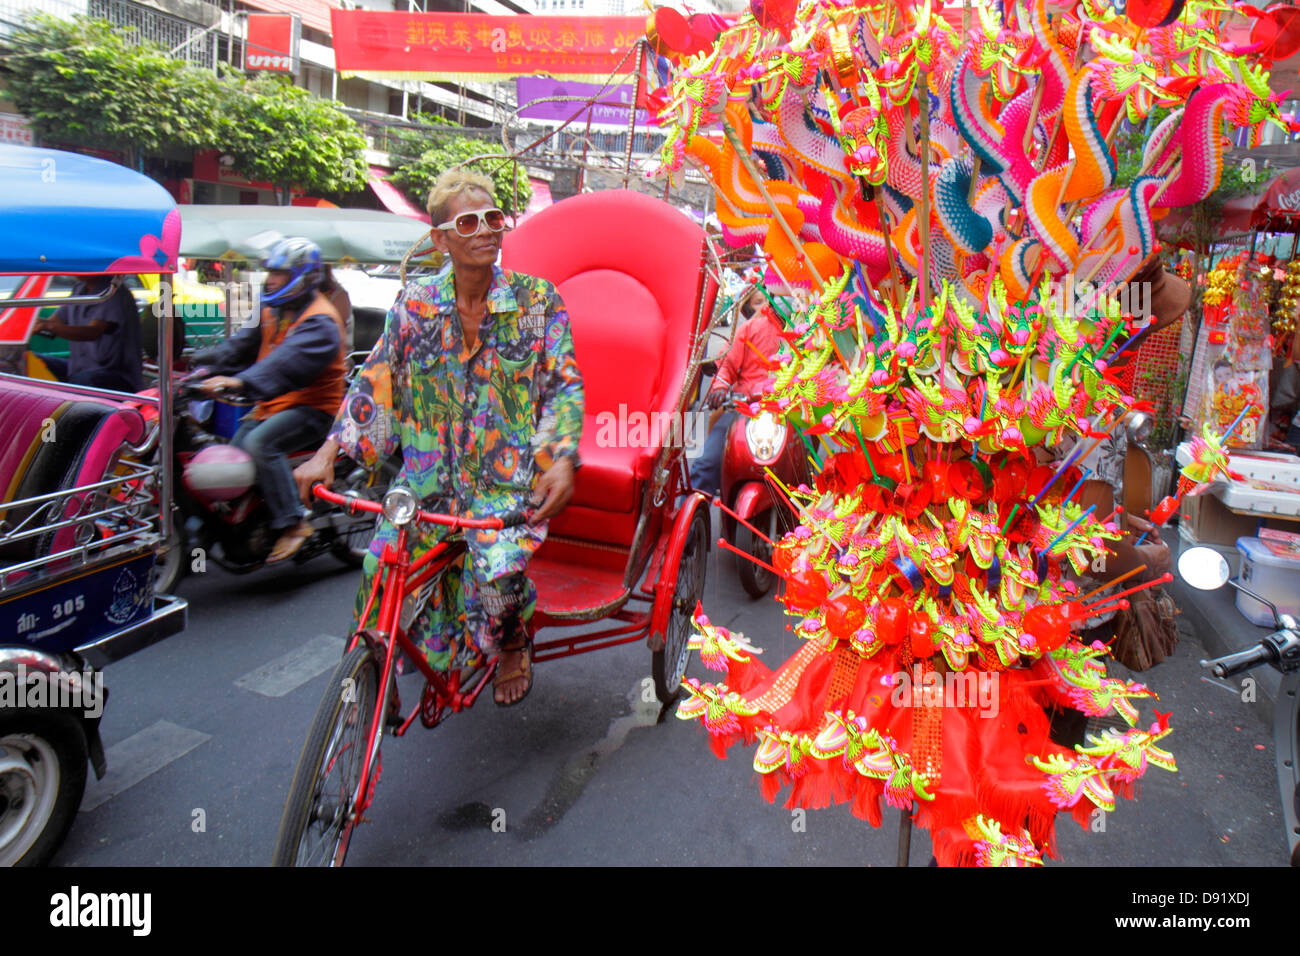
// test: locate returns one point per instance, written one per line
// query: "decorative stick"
(723, 505)
(870, 463)
(754, 174)
(1106, 587)
(723, 542)
(1073, 524)
(923, 94)
(1163, 579)
(1077, 485)
(1120, 605)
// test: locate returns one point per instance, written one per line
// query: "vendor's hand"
(220, 383)
(1153, 552)
(553, 490)
(715, 399)
(320, 468)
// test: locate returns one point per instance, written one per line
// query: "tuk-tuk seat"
(57, 439)
(628, 269)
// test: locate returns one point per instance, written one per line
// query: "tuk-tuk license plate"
(69, 613)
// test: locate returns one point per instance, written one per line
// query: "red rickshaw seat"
(627, 267)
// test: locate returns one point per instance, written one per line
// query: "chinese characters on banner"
(272, 42)
(449, 46)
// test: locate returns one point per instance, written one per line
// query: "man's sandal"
(290, 543)
(524, 669)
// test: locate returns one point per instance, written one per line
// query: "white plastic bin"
(1270, 576)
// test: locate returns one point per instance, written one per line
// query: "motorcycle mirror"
(1203, 568)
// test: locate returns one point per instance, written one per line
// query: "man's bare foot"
(514, 677)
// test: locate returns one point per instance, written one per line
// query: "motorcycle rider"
(291, 364)
(745, 369)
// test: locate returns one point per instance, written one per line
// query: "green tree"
(422, 156)
(84, 82)
(281, 134)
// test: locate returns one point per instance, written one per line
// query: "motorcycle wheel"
(43, 758)
(353, 541)
(757, 581)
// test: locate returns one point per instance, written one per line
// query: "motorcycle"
(219, 508)
(753, 446)
(1206, 569)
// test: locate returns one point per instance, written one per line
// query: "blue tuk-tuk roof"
(64, 213)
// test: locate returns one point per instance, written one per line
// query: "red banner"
(457, 46)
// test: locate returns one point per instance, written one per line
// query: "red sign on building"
(272, 42)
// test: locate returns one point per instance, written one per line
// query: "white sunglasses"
(469, 224)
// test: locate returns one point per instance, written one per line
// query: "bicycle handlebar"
(353, 504)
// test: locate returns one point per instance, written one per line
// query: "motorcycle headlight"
(765, 438)
(399, 506)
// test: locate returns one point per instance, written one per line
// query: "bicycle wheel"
(668, 666)
(321, 810)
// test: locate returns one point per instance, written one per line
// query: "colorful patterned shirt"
(473, 425)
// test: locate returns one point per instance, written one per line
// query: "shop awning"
(394, 199)
(358, 235)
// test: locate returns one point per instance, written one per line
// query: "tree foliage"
(423, 155)
(85, 82)
(281, 134)
(82, 82)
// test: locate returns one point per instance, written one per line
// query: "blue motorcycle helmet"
(299, 257)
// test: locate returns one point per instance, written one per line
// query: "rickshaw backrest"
(54, 440)
(628, 269)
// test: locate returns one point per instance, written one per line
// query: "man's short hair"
(451, 184)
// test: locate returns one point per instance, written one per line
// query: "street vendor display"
(940, 180)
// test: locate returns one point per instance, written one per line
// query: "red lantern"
(774, 14)
(1010, 481)
(807, 589)
(891, 620)
(844, 615)
(936, 476)
(1047, 624)
(919, 630)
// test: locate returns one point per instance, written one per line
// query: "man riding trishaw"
(475, 379)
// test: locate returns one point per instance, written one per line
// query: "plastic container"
(1271, 485)
(227, 415)
(1270, 576)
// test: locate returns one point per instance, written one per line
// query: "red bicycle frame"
(398, 578)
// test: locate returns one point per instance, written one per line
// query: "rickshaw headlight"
(400, 506)
(765, 438)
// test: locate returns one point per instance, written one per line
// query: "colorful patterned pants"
(482, 601)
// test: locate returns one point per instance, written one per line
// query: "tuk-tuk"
(346, 237)
(81, 514)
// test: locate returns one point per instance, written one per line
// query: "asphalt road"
(203, 732)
